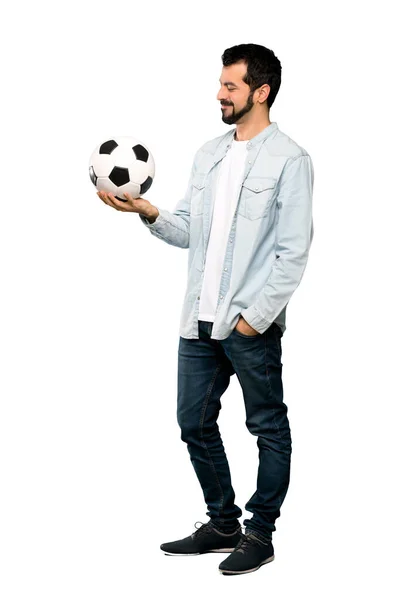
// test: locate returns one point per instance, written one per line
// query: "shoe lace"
(205, 528)
(247, 541)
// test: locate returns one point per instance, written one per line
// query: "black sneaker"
(206, 539)
(249, 555)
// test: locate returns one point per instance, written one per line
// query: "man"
(246, 219)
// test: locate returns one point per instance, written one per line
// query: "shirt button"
(198, 297)
(249, 161)
(225, 269)
(256, 188)
(230, 241)
(221, 297)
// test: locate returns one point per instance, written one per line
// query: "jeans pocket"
(247, 337)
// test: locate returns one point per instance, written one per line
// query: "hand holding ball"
(138, 205)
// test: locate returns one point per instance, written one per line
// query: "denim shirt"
(270, 235)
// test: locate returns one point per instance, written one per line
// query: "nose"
(221, 96)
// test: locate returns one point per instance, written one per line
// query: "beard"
(231, 116)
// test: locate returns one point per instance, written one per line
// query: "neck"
(246, 131)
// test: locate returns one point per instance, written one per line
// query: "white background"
(94, 475)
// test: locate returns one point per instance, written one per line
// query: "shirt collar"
(260, 137)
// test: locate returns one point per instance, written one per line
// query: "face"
(234, 95)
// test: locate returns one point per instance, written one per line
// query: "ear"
(264, 91)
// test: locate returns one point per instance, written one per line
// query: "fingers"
(102, 196)
(132, 199)
(111, 200)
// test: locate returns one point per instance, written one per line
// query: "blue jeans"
(204, 370)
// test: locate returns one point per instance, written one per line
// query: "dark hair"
(262, 67)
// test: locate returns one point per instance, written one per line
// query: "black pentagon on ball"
(108, 147)
(145, 185)
(119, 176)
(93, 175)
(140, 152)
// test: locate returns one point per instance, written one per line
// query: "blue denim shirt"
(270, 236)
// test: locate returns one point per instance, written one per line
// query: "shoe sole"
(227, 572)
(197, 553)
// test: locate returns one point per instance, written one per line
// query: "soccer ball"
(122, 165)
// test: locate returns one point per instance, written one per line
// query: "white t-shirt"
(226, 196)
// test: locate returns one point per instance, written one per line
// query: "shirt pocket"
(197, 200)
(256, 197)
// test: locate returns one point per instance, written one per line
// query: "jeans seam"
(273, 410)
(278, 342)
(269, 383)
(203, 443)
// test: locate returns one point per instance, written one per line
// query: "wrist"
(152, 214)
